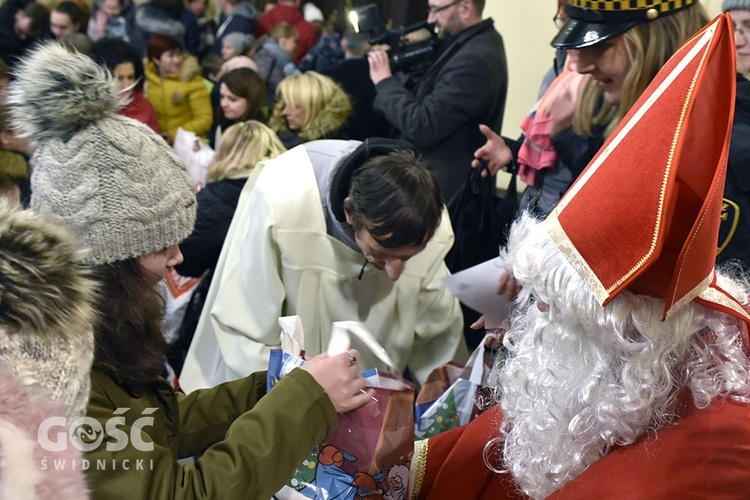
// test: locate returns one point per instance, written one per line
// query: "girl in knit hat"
(120, 188)
(235, 44)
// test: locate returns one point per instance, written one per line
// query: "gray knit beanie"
(240, 41)
(728, 5)
(110, 178)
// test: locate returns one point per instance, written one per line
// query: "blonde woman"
(617, 59)
(241, 147)
(309, 106)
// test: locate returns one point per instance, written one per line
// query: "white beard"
(580, 378)
(565, 402)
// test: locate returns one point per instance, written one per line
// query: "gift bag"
(449, 395)
(370, 451)
(195, 153)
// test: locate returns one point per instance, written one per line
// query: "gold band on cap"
(625, 5)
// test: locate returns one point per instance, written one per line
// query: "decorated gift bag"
(453, 395)
(370, 452)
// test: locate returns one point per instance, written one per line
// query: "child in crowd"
(236, 44)
(275, 55)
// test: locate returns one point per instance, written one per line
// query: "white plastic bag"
(196, 154)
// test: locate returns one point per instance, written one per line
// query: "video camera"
(412, 58)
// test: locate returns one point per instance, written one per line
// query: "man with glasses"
(466, 85)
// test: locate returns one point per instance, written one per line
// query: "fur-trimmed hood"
(46, 313)
(42, 289)
(324, 126)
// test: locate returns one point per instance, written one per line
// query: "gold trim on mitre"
(552, 223)
(714, 296)
(691, 295)
(576, 260)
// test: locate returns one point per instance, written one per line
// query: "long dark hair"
(110, 52)
(130, 345)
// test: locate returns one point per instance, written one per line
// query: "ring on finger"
(352, 358)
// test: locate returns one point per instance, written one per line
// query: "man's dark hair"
(74, 12)
(396, 198)
(356, 43)
(39, 16)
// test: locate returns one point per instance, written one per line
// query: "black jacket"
(734, 232)
(465, 86)
(216, 205)
(354, 77)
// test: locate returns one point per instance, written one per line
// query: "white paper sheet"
(477, 288)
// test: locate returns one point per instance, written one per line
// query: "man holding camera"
(466, 85)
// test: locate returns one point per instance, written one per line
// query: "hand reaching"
(340, 379)
(562, 108)
(495, 152)
(506, 284)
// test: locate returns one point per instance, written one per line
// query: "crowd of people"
(624, 370)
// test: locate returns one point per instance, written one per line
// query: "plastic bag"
(448, 398)
(196, 154)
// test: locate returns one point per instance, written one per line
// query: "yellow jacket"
(180, 100)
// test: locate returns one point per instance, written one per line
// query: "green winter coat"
(253, 442)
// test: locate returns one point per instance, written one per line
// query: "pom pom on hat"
(108, 177)
(68, 93)
(728, 5)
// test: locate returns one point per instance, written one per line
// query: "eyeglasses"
(559, 19)
(434, 10)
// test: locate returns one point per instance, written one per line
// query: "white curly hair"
(580, 378)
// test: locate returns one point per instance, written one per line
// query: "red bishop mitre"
(644, 215)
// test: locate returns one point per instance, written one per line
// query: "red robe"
(705, 455)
